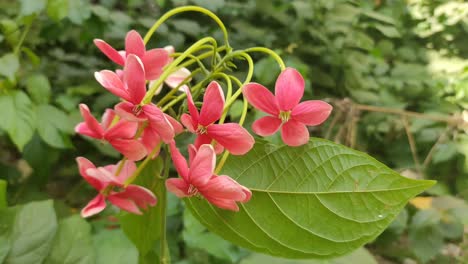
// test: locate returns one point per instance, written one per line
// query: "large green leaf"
(112, 246)
(73, 243)
(318, 200)
(9, 65)
(3, 189)
(32, 233)
(143, 230)
(38, 87)
(53, 125)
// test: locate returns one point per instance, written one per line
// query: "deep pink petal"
(107, 119)
(125, 111)
(122, 129)
(158, 121)
(134, 78)
(111, 81)
(124, 204)
(232, 136)
(83, 165)
(188, 123)
(109, 51)
(261, 98)
(223, 187)
(202, 166)
(192, 150)
(126, 172)
(95, 206)
(312, 112)
(192, 108)
(266, 126)
(202, 139)
(178, 186)
(154, 61)
(140, 195)
(178, 128)
(213, 104)
(180, 163)
(91, 122)
(134, 44)
(224, 203)
(294, 133)
(130, 148)
(83, 129)
(289, 89)
(150, 139)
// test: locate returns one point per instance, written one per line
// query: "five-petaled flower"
(153, 60)
(110, 186)
(231, 136)
(285, 110)
(200, 179)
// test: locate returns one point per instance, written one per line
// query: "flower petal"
(202, 166)
(107, 119)
(134, 78)
(83, 165)
(154, 61)
(109, 51)
(223, 187)
(140, 195)
(122, 129)
(289, 89)
(126, 172)
(232, 136)
(177, 77)
(294, 133)
(150, 140)
(92, 125)
(180, 163)
(192, 108)
(95, 206)
(312, 113)
(224, 203)
(125, 111)
(261, 98)
(178, 128)
(130, 148)
(266, 126)
(188, 122)
(178, 186)
(158, 121)
(213, 104)
(111, 81)
(134, 44)
(124, 204)
(202, 139)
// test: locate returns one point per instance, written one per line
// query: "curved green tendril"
(270, 52)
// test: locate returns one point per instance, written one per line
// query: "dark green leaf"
(112, 246)
(57, 9)
(38, 87)
(9, 65)
(318, 200)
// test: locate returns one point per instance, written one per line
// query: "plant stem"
(23, 37)
(163, 251)
(270, 52)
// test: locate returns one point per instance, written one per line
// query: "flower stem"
(142, 166)
(269, 52)
(163, 249)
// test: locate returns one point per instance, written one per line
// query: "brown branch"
(412, 144)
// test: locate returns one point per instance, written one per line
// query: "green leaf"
(3, 193)
(35, 60)
(208, 4)
(112, 246)
(18, 117)
(318, 200)
(32, 233)
(73, 243)
(78, 11)
(38, 87)
(9, 65)
(389, 31)
(29, 7)
(4, 248)
(188, 27)
(53, 125)
(143, 230)
(57, 9)
(235, 111)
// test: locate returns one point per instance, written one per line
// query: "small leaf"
(211, 5)
(18, 117)
(389, 31)
(9, 65)
(57, 9)
(73, 243)
(38, 87)
(3, 193)
(112, 246)
(143, 230)
(318, 200)
(78, 11)
(53, 125)
(32, 233)
(29, 7)
(35, 60)
(188, 27)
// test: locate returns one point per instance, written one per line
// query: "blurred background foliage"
(376, 61)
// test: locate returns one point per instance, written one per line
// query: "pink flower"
(175, 78)
(153, 60)
(221, 191)
(120, 135)
(111, 187)
(231, 136)
(285, 110)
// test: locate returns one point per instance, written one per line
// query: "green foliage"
(353, 197)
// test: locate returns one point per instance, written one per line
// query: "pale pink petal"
(134, 78)
(266, 126)
(122, 129)
(132, 149)
(294, 133)
(312, 112)
(95, 206)
(126, 172)
(213, 104)
(232, 136)
(188, 123)
(202, 166)
(223, 187)
(202, 139)
(170, 49)
(107, 119)
(289, 89)
(140, 195)
(154, 61)
(218, 148)
(109, 51)
(248, 194)
(178, 128)
(224, 203)
(125, 111)
(177, 77)
(261, 98)
(150, 140)
(83, 165)
(192, 108)
(124, 204)
(134, 44)
(91, 122)
(180, 163)
(111, 81)
(104, 175)
(178, 187)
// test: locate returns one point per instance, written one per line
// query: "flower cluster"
(138, 128)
